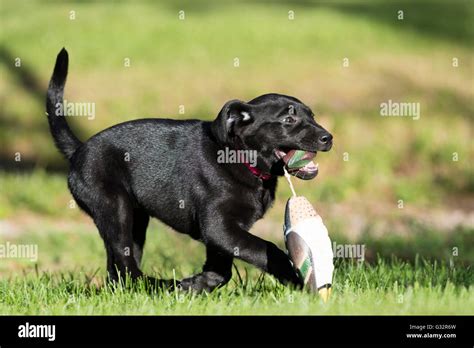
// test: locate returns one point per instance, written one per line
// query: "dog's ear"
(234, 114)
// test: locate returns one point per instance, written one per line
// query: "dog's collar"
(257, 172)
(254, 170)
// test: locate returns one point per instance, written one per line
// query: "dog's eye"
(289, 119)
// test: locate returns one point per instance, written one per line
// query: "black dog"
(168, 169)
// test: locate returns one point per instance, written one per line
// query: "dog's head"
(273, 125)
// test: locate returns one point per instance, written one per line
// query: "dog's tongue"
(300, 163)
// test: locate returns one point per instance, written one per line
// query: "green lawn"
(387, 289)
(419, 261)
(69, 279)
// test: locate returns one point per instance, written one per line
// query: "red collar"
(254, 170)
(257, 172)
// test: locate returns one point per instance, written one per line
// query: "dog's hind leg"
(110, 206)
(217, 271)
(140, 224)
(113, 216)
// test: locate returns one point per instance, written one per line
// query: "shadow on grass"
(449, 20)
(452, 248)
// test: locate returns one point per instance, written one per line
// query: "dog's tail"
(64, 138)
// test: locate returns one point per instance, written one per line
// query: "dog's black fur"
(173, 174)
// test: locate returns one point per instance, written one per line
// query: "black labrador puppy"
(168, 169)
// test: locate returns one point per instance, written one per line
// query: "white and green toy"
(308, 244)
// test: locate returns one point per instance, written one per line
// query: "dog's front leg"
(235, 241)
(216, 272)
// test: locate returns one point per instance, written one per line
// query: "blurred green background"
(390, 182)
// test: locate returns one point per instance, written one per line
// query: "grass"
(375, 163)
(385, 288)
(69, 279)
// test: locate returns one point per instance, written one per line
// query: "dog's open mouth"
(299, 163)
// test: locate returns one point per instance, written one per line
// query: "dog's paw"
(205, 281)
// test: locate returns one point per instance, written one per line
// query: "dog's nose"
(325, 139)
